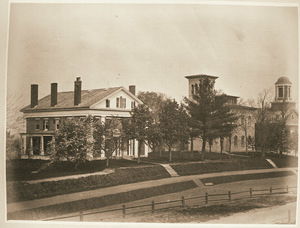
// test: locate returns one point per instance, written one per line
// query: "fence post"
(229, 195)
(270, 190)
(183, 201)
(152, 206)
(81, 216)
(206, 198)
(287, 189)
(124, 210)
(250, 192)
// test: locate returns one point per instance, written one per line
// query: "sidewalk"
(12, 207)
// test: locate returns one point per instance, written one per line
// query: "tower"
(283, 97)
(195, 82)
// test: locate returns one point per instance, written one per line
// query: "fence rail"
(229, 196)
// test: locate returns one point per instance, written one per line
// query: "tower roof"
(283, 80)
(200, 75)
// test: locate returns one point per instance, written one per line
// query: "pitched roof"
(65, 100)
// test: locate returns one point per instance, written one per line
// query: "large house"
(243, 137)
(43, 116)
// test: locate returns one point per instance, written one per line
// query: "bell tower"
(195, 82)
(283, 94)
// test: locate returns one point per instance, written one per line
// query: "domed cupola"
(283, 89)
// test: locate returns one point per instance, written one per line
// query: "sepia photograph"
(151, 113)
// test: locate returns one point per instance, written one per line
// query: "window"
(117, 102)
(132, 104)
(242, 120)
(280, 92)
(120, 102)
(37, 124)
(193, 90)
(196, 88)
(57, 122)
(235, 140)
(249, 140)
(292, 117)
(243, 141)
(249, 121)
(45, 125)
(107, 103)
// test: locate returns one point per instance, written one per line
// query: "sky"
(152, 46)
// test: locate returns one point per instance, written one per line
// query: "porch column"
(24, 144)
(135, 148)
(31, 145)
(42, 152)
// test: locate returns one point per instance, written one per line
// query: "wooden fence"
(203, 200)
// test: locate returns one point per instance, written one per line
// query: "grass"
(98, 202)
(254, 176)
(20, 170)
(220, 166)
(21, 191)
(197, 214)
(187, 156)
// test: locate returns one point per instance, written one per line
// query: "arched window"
(196, 88)
(235, 141)
(193, 90)
(249, 120)
(243, 141)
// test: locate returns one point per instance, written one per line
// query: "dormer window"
(107, 103)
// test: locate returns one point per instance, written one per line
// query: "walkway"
(12, 207)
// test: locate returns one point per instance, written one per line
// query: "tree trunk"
(203, 148)
(210, 144)
(246, 136)
(229, 139)
(192, 147)
(192, 144)
(221, 146)
(170, 154)
(107, 161)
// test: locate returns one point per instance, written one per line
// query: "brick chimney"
(53, 94)
(34, 95)
(77, 91)
(132, 89)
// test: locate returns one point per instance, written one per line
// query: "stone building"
(243, 137)
(43, 116)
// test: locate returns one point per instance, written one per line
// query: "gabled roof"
(65, 100)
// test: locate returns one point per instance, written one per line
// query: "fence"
(203, 200)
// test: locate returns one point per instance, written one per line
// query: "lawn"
(186, 156)
(221, 166)
(21, 170)
(22, 191)
(253, 176)
(98, 202)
